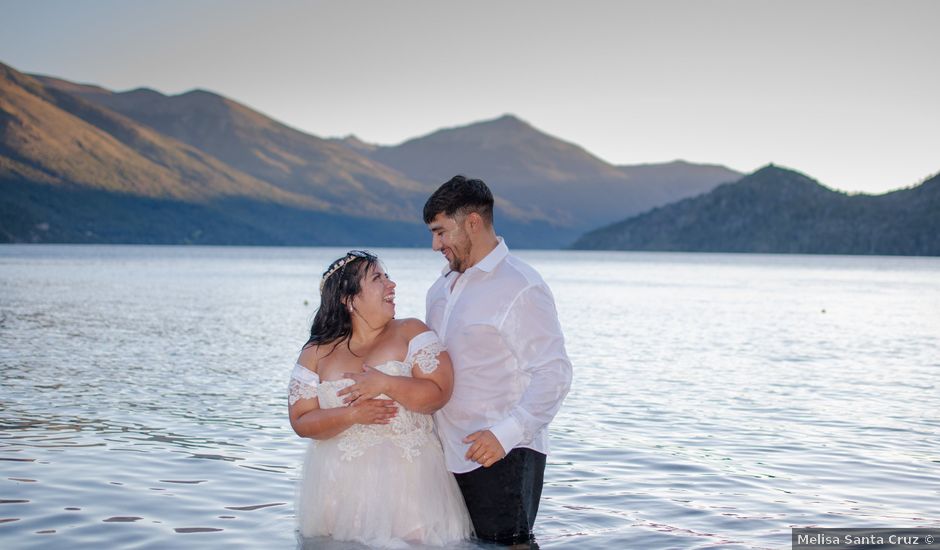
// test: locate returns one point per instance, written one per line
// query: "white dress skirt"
(380, 485)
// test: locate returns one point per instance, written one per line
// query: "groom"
(497, 318)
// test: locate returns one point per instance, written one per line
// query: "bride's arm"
(423, 395)
(425, 391)
(309, 420)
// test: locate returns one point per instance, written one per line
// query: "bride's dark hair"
(340, 283)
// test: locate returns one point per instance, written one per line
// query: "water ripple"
(718, 400)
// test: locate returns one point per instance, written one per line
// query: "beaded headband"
(350, 256)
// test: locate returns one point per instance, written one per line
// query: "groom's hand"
(484, 449)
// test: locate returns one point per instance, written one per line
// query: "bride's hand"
(374, 411)
(370, 383)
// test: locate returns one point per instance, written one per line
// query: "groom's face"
(450, 238)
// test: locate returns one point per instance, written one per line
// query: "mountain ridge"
(72, 141)
(535, 190)
(80, 163)
(73, 171)
(549, 178)
(778, 210)
(268, 150)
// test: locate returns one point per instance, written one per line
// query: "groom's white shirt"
(511, 372)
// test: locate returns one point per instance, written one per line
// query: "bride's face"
(376, 298)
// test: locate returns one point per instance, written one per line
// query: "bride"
(363, 389)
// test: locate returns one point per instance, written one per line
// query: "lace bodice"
(408, 430)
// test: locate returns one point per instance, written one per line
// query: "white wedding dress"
(381, 485)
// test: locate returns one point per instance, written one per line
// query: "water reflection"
(714, 404)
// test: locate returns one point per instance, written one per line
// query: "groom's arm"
(534, 336)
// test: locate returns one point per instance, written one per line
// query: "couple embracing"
(490, 366)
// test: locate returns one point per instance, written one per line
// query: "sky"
(845, 91)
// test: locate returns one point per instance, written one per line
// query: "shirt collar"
(489, 262)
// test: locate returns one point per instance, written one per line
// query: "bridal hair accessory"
(341, 263)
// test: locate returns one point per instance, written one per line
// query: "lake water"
(717, 400)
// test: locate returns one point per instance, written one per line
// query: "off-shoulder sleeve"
(423, 350)
(303, 384)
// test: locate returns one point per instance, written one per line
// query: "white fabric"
(511, 371)
(381, 485)
(409, 431)
(423, 350)
(302, 385)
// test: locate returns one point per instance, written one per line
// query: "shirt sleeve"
(534, 336)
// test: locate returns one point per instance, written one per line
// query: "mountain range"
(80, 163)
(776, 210)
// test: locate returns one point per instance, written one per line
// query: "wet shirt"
(511, 372)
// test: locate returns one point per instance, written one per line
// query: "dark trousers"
(504, 498)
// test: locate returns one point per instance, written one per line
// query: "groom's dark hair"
(459, 197)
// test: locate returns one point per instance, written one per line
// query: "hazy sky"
(847, 92)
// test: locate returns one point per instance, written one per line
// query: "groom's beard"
(461, 257)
